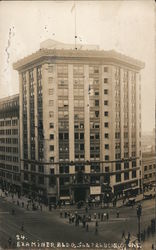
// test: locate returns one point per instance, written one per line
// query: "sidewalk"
(138, 198)
(21, 202)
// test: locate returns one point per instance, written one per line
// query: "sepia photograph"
(77, 125)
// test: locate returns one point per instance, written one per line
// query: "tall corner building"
(80, 122)
(9, 143)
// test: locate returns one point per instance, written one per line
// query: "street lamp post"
(139, 212)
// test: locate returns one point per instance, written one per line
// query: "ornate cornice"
(81, 56)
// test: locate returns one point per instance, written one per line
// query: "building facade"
(80, 122)
(9, 143)
(148, 169)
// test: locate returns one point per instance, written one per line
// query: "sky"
(125, 26)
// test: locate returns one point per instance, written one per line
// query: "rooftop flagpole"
(75, 24)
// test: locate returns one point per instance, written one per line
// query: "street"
(39, 226)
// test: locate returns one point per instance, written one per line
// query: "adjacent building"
(80, 122)
(9, 143)
(148, 169)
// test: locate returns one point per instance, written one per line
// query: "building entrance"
(80, 194)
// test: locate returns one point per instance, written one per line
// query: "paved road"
(48, 226)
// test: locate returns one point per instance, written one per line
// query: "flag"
(89, 89)
(73, 7)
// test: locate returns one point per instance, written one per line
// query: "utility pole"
(139, 212)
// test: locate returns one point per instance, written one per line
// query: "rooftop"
(51, 49)
(9, 98)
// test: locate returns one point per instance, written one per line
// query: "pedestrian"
(117, 214)
(22, 227)
(73, 218)
(144, 234)
(95, 216)
(10, 241)
(107, 215)
(87, 228)
(69, 219)
(101, 216)
(96, 223)
(86, 209)
(123, 234)
(61, 214)
(13, 211)
(129, 236)
(96, 230)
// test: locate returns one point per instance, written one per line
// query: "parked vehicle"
(147, 196)
(130, 202)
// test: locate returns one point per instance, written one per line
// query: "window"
(97, 125)
(126, 164)
(96, 92)
(51, 147)
(52, 171)
(106, 113)
(41, 168)
(51, 91)
(66, 136)
(51, 159)
(133, 164)
(134, 174)
(50, 68)
(76, 136)
(97, 114)
(33, 167)
(117, 135)
(97, 136)
(51, 136)
(105, 91)
(106, 146)
(105, 69)
(107, 157)
(78, 69)
(60, 136)
(96, 70)
(106, 135)
(41, 180)
(51, 114)
(50, 80)
(51, 125)
(81, 136)
(81, 146)
(105, 80)
(118, 177)
(62, 69)
(106, 169)
(106, 124)
(96, 102)
(105, 102)
(26, 178)
(126, 176)
(51, 103)
(118, 166)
